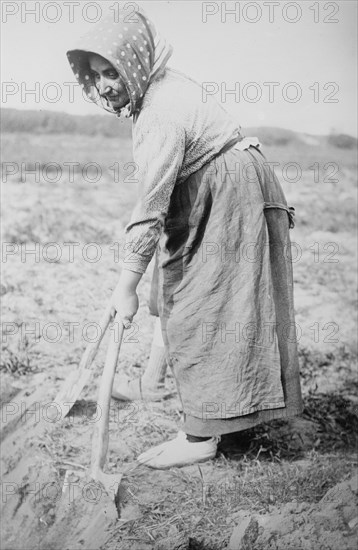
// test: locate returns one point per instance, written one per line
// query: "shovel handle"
(100, 436)
(91, 350)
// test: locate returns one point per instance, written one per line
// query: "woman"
(221, 224)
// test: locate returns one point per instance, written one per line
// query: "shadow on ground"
(328, 423)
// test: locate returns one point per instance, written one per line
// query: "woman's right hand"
(125, 300)
(125, 305)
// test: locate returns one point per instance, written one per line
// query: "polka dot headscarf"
(132, 45)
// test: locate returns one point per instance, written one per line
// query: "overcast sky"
(310, 44)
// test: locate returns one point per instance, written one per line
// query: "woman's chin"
(117, 105)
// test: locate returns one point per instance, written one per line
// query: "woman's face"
(108, 81)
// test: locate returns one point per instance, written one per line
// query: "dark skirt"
(223, 287)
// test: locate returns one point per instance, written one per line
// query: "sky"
(291, 64)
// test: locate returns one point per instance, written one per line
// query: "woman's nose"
(103, 86)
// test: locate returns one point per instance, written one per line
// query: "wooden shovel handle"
(92, 349)
(101, 428)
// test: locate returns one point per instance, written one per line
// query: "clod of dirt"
(330, 524)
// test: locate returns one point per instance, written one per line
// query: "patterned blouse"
(176, 132)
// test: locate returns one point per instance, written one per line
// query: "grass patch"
(19, 362)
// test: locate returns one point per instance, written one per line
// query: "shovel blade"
(71, 390)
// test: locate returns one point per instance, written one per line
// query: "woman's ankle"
(196, 439)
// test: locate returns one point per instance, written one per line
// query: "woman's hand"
(125, 299)
(126, 305)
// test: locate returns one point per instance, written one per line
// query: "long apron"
(225, 296)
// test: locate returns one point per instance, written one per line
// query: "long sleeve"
(158, 151)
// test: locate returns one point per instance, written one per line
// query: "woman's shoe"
(179, 452)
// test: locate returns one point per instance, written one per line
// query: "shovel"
(100, 438)
(77, 380)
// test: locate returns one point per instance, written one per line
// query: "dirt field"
(54, 288)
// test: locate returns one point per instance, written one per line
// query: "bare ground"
(262, 478)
